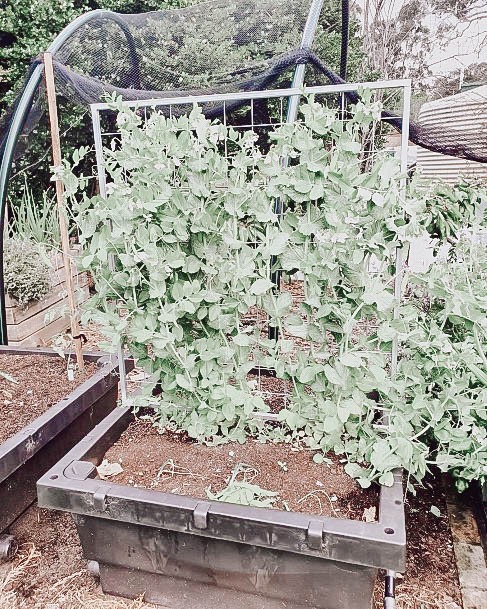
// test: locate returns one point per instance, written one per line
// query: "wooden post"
(61, 205)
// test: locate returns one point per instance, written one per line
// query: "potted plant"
(195, 240)
(198, 248)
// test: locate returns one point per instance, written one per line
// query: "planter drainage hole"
(55, 477)
(389, 531)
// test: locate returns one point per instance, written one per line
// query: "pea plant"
(197, 240)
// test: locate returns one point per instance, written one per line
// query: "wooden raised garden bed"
(44, 415)
(34, 325)
(180, 550)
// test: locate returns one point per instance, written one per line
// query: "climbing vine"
(195, 240)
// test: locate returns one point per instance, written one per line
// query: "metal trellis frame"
(284, 96)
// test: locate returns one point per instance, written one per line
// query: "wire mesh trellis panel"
(262, 112)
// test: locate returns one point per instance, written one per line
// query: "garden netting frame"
(26, 110)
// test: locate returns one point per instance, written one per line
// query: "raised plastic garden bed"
(182, 551)
(31, 451)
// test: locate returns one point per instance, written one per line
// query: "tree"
(399, 44)
(26, 29)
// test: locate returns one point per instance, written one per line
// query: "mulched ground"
(431, 578)
(40, 383)
(49, 571)
(55, 576)
(173, 464)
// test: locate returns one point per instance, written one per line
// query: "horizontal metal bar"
(266, 94)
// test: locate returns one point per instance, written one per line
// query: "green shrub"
(26, 271)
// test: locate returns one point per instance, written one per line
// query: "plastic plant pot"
(182, 552)
(28, 454)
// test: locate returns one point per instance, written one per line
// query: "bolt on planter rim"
(71, 485)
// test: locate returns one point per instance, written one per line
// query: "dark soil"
(191, 468)
(41, 382)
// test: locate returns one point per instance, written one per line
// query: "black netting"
(213, 47)
(200, 48)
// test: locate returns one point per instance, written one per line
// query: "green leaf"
(386, 479)
(277, 244)
(343, 412)
(364, 482)
(381, 453)
(261, 286)
(386, 333)
(389, 169)
(228, 410)
(244, 493)
(354, 470)
(242, 340)
(375, 294)
(303, 186)
(295, 325)
(8, 377)
(332, 375)
(317, 191)
(307, 374)
(184, 382)
(351, 360)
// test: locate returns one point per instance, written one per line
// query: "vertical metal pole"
(344, 42)
(389, 592)
(102, 183)
(306, 42)
(293, 107)
(406, 110)
(390, 577)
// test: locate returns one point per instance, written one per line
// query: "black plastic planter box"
(28, 454)
(185, 552)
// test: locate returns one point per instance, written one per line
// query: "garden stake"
(63, 227)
